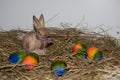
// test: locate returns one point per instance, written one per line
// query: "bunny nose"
(48, 37)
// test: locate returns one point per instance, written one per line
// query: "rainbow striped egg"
(59, 67)
(94, 54)
(80, 49)
(16, 57)
(31, 60)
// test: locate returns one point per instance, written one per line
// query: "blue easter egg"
(16, 57)
(59, 67)
(59, 72)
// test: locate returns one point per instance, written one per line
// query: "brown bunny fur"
(38, 40)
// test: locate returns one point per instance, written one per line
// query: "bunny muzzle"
(46, 42)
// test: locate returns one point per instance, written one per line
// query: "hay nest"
(79, 69)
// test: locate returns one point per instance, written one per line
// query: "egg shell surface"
(94, 53)
(77, 47)
(16, 57)
(31, 60)
(59, 67)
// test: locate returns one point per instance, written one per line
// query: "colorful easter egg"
(31, 60)
(16, 57)
(59, 67)
(94, 53)
(80, 49)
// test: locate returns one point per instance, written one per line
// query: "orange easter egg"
(78, 47)
(31, 60)
(80, 50)
(94, 53)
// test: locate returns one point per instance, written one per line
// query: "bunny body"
(37, 40)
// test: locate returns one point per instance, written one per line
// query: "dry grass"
(64, 39)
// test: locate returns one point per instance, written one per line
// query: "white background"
(16, 14)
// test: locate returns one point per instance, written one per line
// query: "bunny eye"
(39, 32)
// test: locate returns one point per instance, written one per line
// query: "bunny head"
(39, 27)
(41, 32)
